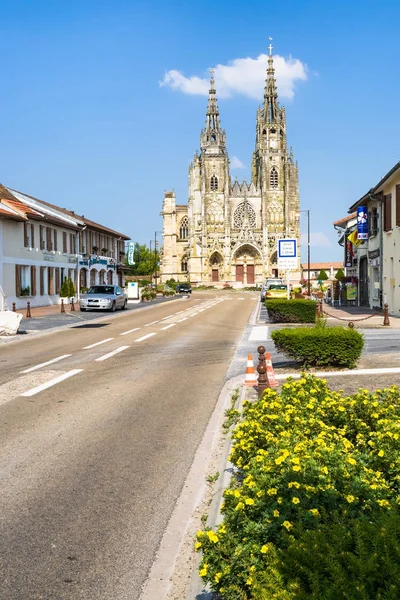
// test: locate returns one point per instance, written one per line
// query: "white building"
(42, 244)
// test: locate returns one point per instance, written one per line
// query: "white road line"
(165, 318)
(185, 319)
(193, 314)
(179, 312)
(49, 362)
(241, 298)
(113, 353)
(129, 331)
(202, 310)
(153, 323)
(50, 383)
(145, 337)
(97, 344)
(168, 326)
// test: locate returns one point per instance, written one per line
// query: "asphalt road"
(91, 466)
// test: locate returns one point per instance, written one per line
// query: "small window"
(184, 266)
(273, 178)
(214, 183)
(184, 229)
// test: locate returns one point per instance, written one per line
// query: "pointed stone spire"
(212, 134)
(271, 106)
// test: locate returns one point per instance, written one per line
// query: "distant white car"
(103, 297)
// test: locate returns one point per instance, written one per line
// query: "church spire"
(271, 106)
(212, 134)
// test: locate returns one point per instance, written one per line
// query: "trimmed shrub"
(291, 311)
(320, 346)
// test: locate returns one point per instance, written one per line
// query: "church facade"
(228, 232)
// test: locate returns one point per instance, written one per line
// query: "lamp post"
(307, 212)
(155, 256)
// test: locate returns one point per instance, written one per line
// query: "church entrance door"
(215, 276)
(239, 273)
(250, 274)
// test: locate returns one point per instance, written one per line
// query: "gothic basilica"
(228, 232)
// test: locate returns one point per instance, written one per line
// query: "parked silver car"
(103, 297)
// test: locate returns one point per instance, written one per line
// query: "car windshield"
(277, 287)
(101, 289)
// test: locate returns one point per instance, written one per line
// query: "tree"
(144, 259)
(340, 275)
(67, 289)
(322, 275)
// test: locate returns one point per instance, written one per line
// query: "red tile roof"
(345, 219)
(319, 266)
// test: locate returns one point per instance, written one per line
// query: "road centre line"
(153, 323)
(113, 353)
(185, 319)
(168, 326)
(202, 310)
(193, 314)
(50, 383)
(130, 331)
(145, 337)
(48, 362)
(165, 318)
(97, 344)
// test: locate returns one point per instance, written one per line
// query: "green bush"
(148, 294)
(291, 311)
(320, 346)
(67, 289)
(168, 293)
(171, 283)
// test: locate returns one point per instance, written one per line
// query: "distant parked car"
(278, 290)
(103, 297)
(183, 288)
(267, 283)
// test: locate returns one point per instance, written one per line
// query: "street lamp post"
(155, 256)
(307, 212)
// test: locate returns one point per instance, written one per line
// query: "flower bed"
(315, 493)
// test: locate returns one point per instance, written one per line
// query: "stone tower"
(228, 233)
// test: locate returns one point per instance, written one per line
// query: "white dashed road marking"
(97, 344)
(52, 382)
(49, 362)
(145, 337)
(185, 319)
(130, 331)
(168, 326)
(153, 323)
(111, 354)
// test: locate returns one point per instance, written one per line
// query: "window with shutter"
(33, 280)
(57, 280)
(398, 205)
(50, 280)
(32, 240)
(26, 238)
(65, 249)
(42, 280)
(55, 240)
(41, 243)
(49, 245)
(387, 217)
(17, 280)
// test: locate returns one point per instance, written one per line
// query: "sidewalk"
(362, 317)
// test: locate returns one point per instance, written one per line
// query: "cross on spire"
(270, 47)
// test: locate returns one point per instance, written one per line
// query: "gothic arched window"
(273, 178)
(184, 265)
(214, 183)
(184, 229)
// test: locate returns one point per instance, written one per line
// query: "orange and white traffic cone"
(270, 371)
(250, 379)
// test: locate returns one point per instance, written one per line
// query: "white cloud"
(236, 163)
(244, 76)
(318, 239)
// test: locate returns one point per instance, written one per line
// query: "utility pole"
(155, 258)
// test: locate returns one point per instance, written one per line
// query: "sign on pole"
(131, 248)
(287, 255)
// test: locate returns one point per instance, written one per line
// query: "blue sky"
(85, 123)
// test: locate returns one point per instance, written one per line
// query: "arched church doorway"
(247, 263)
(216, 262)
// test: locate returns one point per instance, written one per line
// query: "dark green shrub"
(171, 283)
(291, 311)
(357, 559)
(320, 346)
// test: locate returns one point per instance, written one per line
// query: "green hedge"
(291, 311)
(320, 346)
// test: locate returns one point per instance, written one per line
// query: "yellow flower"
(217, 577)
(212, 536)
(197, 545)
(350, 498)
(276, 513)
(351, 461)
(200, 534)
(259, 494)
(325, 470)
(381, 453)
(249, 581)
(249, 501)
(239, 506)
(296, 500)
(279, 500)
(203, 571)
(272, 492)
(296, 461)
(296, 468)
(384, 503)
(314, 512)
(264, 549)
(287, 524)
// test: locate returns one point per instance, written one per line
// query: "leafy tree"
(322, 275)
(145, 260)
(72, 290)
(340, 275)
(67, 289)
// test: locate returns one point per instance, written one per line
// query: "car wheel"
(82, 309)
(123, 307)
(114, 306)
